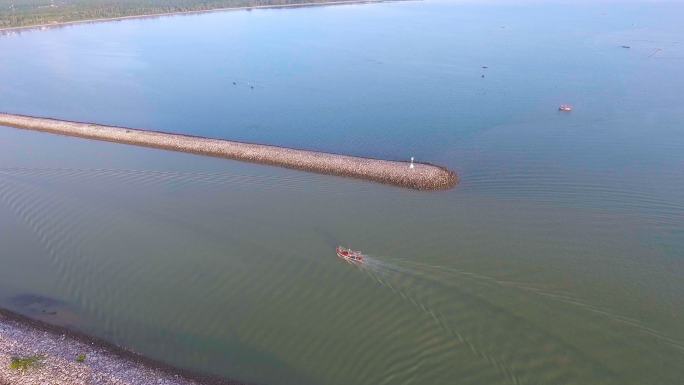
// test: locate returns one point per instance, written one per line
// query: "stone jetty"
(420, 176)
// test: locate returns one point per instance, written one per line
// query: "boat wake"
(472, 310)
(400, 279)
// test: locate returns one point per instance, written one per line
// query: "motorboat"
(565, 108)
(349, 255)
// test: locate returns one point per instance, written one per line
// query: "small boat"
(565, 107)
(349, 255)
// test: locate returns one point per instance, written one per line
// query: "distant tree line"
(17, 13)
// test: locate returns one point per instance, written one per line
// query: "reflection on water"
(557, 260)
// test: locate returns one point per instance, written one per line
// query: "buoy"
(411, 165)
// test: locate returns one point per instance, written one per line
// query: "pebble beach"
(61, 357)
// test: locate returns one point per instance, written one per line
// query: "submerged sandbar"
(422, 176)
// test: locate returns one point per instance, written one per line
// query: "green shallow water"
(558, 260)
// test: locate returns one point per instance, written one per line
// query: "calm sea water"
(558, 260)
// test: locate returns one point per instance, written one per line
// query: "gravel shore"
(57, 353)
(422, 176)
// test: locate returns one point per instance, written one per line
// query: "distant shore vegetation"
(26, 13)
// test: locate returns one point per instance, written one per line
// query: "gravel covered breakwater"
(57, 356)
(421, 177)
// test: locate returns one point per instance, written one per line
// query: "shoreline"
(176, 13)
(422, 176)
(105, 362)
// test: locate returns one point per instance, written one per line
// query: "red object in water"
(565, 107)
(349, 255)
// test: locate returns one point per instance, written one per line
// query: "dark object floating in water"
(655, 52)
(565, 108)
(234, 83)
(626, 46)
(482, 75)
(485, 67)
(349, 255)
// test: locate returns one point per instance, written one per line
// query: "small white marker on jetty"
(411, 165)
